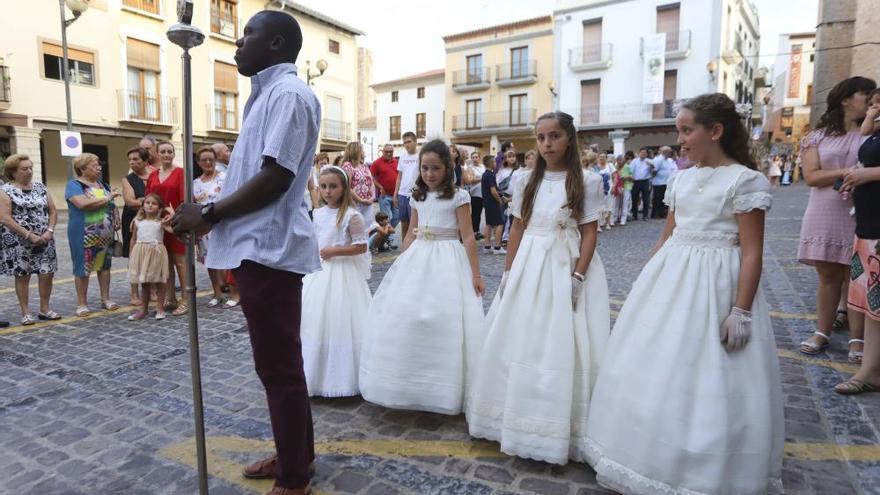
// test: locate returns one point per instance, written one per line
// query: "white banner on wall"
(654, 59)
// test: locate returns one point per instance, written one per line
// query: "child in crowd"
(380, 233)
(148, 260)
(426, 323)
(493, 204)
(689, 397)
(871, 124)
(503, 178)
(550, 319)
(337, 298)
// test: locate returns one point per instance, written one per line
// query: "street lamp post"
(77, 7)
(321, 65)
(187, 36)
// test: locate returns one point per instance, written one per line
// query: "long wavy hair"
(344, 203)
(447, 189)
(832, 119)
(354, 153)
(717, 108)
(574, 179)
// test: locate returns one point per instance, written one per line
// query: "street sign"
(71, 143)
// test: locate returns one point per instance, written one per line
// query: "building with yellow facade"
(498, 80)
(126, 79)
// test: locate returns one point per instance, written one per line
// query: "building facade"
(126, 79)
(498, 81)
(791, 98)
(411, 104)
(602, 72)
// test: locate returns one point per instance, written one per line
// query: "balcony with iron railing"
(590, 57)
(146, 108)
(223, 119)
(5, 91)
(642, 114)
(516, 73)
(470, 80)
(336, 130)
(510, 121)
(224, 23)
(678, 45)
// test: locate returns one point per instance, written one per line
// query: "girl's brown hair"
(717, 108)
(344, 203)
(574, 179)
(140, 214)
(832, 119)
(460, 157)
(447, 190)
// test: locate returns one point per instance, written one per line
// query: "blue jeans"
(386, 206)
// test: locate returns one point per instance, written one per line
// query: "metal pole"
(65, 67)
(195, 359)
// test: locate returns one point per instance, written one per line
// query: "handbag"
(116, 247)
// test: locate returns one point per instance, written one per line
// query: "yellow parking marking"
(70, 319)
(221, 466)
(842, 367)
(57, 281)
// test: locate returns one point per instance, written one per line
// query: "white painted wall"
(623, 25)
(407, 106)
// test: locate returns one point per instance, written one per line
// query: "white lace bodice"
(551, 198)
(149, 231)
(437, 213)
(706, 200)
(350, 231)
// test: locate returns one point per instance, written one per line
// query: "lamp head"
(185, 11)
(321, 65)
(712, 66)
(77, 6)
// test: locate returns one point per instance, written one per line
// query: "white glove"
(736, 329)
(577, 287)
(503, 284)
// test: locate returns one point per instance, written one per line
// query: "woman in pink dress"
(828, 228)
(360, 180)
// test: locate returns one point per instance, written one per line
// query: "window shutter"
(225, 78)
(142, 55)
(72, 53)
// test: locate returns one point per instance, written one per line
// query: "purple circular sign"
(71, 142)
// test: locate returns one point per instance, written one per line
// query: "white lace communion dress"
(335, 304)
(532, 387)
(426, 324)
(673, 412)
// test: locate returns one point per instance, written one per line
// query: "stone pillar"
(836, 28)
(26, 140)
(618, 137)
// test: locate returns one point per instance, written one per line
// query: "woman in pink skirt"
(827, 232)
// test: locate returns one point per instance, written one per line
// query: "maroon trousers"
(272, 304)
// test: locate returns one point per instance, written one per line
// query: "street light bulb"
(321, 65)
(712, 66)
(78, 6)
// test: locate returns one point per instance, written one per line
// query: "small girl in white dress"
(426, 325)
(688, 399)
(337, 298)
(148, 260)
(550, 319)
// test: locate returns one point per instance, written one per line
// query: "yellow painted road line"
(57, 281)
(842, 367)
(71, 319)
(220, 464)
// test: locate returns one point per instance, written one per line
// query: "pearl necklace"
(701, 184)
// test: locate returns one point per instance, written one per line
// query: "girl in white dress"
(426, 324)
(148, 260)
(550, 319)
(688, 400)
(337, 298)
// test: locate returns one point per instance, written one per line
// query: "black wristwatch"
(208, 214)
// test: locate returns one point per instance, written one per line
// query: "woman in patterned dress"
(27, 231)
(206, 189)
(92, 220)
(362, 188)
(826, 242)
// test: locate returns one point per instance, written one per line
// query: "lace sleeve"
(356, 229)
(752, 193)
(594, 198)
(812, 139)
(461, 198)
(516, 191)
(669, 197)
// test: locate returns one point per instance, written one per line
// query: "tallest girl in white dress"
(688, 399)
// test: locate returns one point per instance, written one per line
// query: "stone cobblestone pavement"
(102, 405)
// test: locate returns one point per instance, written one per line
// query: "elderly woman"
(134, 188)
(206, 189)
(167, 183)
(92, 220)
(27, 231)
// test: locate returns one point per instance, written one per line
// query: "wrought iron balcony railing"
(516, 71)
(470, 78)
(145, 107)
(336, 130)
(493, 121)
